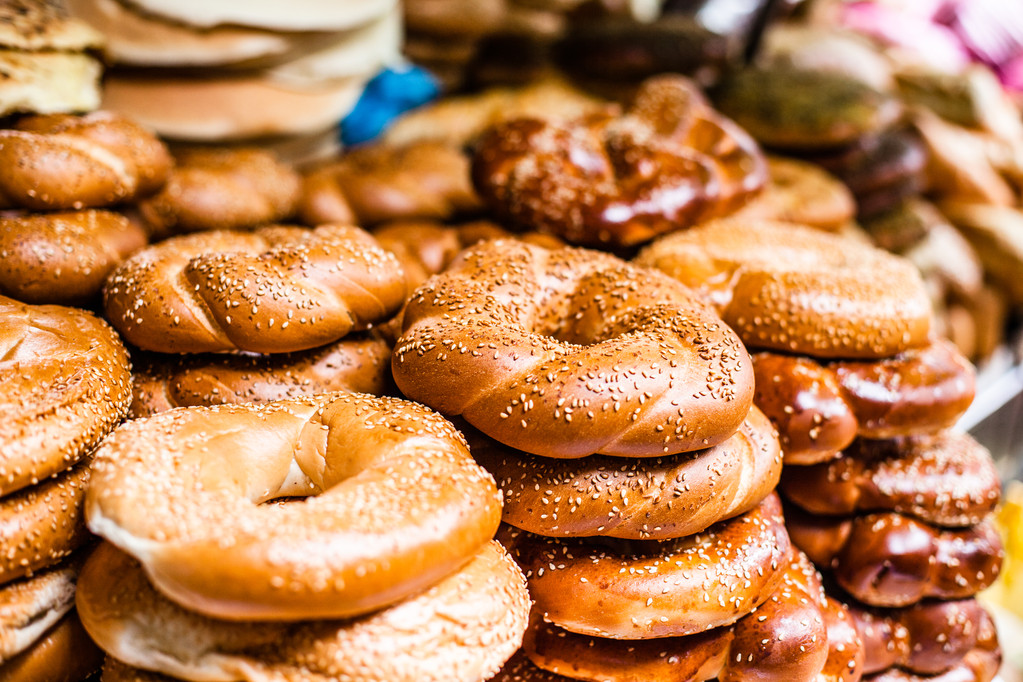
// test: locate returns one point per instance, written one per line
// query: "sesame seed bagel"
(60, 161)
(891, 560)
(394, 504)
(63, 257)
(463, 628)
(42, 524)
(217, 188)
(927, 638)
(784, 639)
(980, 665)
(788, 287)
(359, 363)
(274, 290)
(569, 353)
(63, 654)
(638, 590)
(66, 383)
(654, 499)
(29, 607)
(820, 407)
(947, 479)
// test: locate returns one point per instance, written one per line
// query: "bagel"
(820, 407)
(947, 479)
(784, 639)
(63, 257)
(59, 161)
(392, 479)
(643, 367)
(669, 162)
(980, 665)
(42, 524)
(380, 183)
(30, 607)
(358, 364)
(926, 639)
(656, 499)
(643, 589)
(67, 382)
(462, 629)
(891, 560)
(304, 15)
(275, 290)
(63, 654)
(220, 188)
(796, 289)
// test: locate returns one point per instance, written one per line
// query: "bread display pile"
(538, 387)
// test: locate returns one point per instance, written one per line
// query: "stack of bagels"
(221, 70)
(537, 393)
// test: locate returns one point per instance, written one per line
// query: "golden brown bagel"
(221, 189)
(820, 407)
(66, 383)
(642, 589)
(358, 363)
(42, 524)
(927, 638)
(891, 560)
(802, 192)
(29, 607)
(275, 290)
(979, 665)
(669, 162)
(63, 257)
(571, 352)
(63, 654)
(947, 479)
(380, 183)
(395, 503)
(653, 499)
(784, 639)
(59, 161)
(793, 288)
(460, 629)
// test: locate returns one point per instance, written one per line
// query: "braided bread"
(275, 290)
(947, 479)
(891, 560)
(59, 161)
(654, 499)
(669, 162)
(571, 353)
(641, 589)
(391, 478)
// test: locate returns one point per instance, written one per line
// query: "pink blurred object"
(912, 28)
(1012, 74)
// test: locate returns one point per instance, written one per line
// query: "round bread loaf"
(66, 383)
(274, 290)
(380, 183)
(391, 479)
(221, 189)
(795, 289)
(356, 363)
(460, 629)
(63, 257)
(60, 161)
(646, 589)
(947, 479)
(887, 559)
(654, 499)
